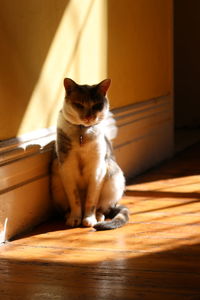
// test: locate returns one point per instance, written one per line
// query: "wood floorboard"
(155, 256)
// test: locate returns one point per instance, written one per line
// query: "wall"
(187, 63)
(44, 41)
(41, 43)
(139, 50)
(140, 65)
(26, 33)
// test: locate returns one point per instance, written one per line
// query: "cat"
(86, 181)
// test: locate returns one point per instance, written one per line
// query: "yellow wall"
(26, 30)
(43, 41)
(139, 49)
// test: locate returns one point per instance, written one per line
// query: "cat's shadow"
(55, 224)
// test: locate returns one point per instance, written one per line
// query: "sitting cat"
(86, 181)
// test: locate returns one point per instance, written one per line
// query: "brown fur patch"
(92, 209)
(63, 145)
(112, 166)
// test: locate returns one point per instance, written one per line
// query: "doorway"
(186, 73)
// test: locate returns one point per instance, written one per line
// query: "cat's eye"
(97, 107)
(78, 105)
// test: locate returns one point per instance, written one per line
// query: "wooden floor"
(155, 256)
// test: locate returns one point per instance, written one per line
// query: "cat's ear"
(103, 86)
(69, 85)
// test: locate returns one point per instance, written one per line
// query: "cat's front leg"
(96, 180)
(74, 217)
(93, 218)
(89, 219)
(92, 198)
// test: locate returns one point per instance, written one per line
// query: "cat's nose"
(88, 119)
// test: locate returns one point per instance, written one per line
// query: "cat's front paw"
(73, 220)
(89, 221)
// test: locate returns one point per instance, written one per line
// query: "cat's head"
(85, 104)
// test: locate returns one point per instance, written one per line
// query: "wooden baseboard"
(24, 184)
(145, 137)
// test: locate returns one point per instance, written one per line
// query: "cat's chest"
(86, 149)
(84, 162)
(82, 137)
(86, 153)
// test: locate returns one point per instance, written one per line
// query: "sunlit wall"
(43, 42)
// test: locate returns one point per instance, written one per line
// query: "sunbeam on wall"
(78, 50)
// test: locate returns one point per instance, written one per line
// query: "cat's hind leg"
(100, 216)
(112, 192)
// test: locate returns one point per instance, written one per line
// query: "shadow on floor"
(171, 274)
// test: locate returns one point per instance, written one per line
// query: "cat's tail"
(119, 216)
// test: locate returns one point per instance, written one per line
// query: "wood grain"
(155, 256)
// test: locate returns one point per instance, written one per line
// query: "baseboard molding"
(145, 137)
(29, 144)
(24, 184)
